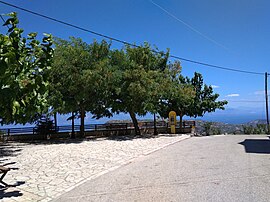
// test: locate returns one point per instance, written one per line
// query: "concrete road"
(217, 168)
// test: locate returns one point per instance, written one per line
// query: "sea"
(225, 118)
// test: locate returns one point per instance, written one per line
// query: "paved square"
(48, 169)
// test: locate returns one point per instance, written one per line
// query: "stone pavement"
(46, 170)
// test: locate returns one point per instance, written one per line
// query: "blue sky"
(229, 33)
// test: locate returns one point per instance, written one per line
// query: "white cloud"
(260, 92)
(215, 86)
(233, 95)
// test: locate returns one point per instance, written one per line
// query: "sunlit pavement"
(199, 169)
(46, 170)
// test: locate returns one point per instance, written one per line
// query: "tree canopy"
(23, 77)
(205, 99)
(190, 97)
(137, 75)
(78, 77)
(178, 96)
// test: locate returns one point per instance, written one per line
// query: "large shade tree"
(24, 62)
(78, 77)
(137, 73)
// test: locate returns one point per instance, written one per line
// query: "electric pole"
(266, 103)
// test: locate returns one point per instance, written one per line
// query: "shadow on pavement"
(9, 150)
(143, 136)
(259, 146)
(8, 192)
(57, 141)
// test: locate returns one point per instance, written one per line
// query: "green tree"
(137, 73)
(177, 95)
(261, 128)
(248, 129)
(205, 99)
(216, 130)
(190, 97)
(207, 126)
(78, 78)
(24, 62)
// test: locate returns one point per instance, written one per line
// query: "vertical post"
(266, 103)
(9, 132)
(155, 125)
(82, 113)
(55, 121)
(73, 130)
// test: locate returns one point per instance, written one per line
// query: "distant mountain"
(255, 122)
(226, 127)
(222, 127)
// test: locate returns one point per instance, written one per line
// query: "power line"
(246, 101)
(127, 43)
(2, 18)
(65, 23)
(188, 25)
(216, 66)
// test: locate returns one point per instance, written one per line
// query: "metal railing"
(92, 127)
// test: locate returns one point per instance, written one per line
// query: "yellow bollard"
(172, 121)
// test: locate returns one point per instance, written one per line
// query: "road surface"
(215, 168)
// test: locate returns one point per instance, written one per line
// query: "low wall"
(94, 133)
(23, 137)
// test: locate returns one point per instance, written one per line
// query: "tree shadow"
(51, 141)
(8, 192)
(259, 146)
(143, 136)
(9, 150)
(58, 141)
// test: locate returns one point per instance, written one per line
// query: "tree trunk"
(72, 122)
(55, 120)
(82, 112)
(135, 123)
(181, 123)
(155, 125)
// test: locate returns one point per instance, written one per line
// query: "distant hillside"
(223, 127)
(255, 122)
(227, 128)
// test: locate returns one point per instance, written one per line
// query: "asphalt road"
(216, 168)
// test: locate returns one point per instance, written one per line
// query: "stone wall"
(94, 134)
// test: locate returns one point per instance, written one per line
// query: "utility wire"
(216, 66)
(245, 101)
(65, 23)
(188, 25)
(2, 18)
(127, 43)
